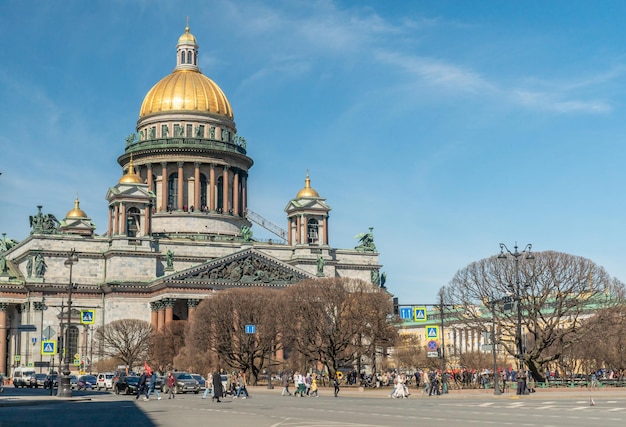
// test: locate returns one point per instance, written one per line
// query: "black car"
(126, 385)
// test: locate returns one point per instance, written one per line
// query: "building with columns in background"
(179, 229)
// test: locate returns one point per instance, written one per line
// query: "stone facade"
(177, 233)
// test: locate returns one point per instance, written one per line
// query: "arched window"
(133, 219)
(72, 347)
(172, 192)
(311, 231)
(182, 57)
(188, 57)
(203, 190)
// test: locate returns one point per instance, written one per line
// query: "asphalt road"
(266, 408)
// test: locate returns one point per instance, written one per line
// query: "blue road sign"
(419, 314)
(405, 312)
(432, 332)
(432, 345)
(48, 348)
(87, 317)
(250, 329)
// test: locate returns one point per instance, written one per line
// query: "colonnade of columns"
(465, 340)
(232, 199)
(163, 311)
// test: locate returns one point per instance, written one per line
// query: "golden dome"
(186, 90)
(307, 191)
(187, 38)
(131, 177)
(77, 212)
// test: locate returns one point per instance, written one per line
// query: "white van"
(105, 380)
(22, 377)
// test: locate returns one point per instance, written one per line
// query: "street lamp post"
(65, 389)
(517, 289)
(496, 385)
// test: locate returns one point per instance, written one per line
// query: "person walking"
(298, 382)
(218, 390)
(314, 386)
(141, 386)
(208, 384)
(336, 384)
(171, 384)
(153, 387)
(284, 378)
(241, 385)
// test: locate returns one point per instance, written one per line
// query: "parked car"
(38, 380)
(185, 383)
(52, 381)
(73, 381)
(201, 381)
(126, 385)
(105, 380)
(22, 376)
(86, 382)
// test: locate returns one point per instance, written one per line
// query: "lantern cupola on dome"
(307, 191)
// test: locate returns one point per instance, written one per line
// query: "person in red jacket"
(171, 383)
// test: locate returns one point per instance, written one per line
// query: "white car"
(105, 380)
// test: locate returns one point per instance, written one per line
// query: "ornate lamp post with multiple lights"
(517, 291)
(65, 389)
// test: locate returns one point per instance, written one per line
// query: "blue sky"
(448, 126)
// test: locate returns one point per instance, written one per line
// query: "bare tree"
(557, 292)
(128, 340)
(219, 328)
(335, 321)
(167, 343)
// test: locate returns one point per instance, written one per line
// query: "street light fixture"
(65, 389)
(517, 289)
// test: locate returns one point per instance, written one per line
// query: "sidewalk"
(541, 393)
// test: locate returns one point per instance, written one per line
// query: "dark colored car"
(73, 381)
(86, 382)
(185, 383)
(38, 380)
(52, 381)
(201, 381)
(126, 385)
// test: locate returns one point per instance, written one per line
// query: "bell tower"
(307, 217)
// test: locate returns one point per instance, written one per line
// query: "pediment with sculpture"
(246, 267)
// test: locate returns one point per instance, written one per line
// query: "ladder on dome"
(268, 225)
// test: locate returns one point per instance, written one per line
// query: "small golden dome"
(131, 177)
(186, 90)
(307, 191)
(77, 212)
(187, 38)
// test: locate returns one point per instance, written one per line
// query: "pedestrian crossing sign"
(48, 348)
(432, 333)
(419, 314)
(88, 317)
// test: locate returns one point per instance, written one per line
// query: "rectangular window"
(201, 131)
(163, 131)
(189, 131)
(177, 130)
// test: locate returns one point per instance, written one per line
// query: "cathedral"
(179, 229)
